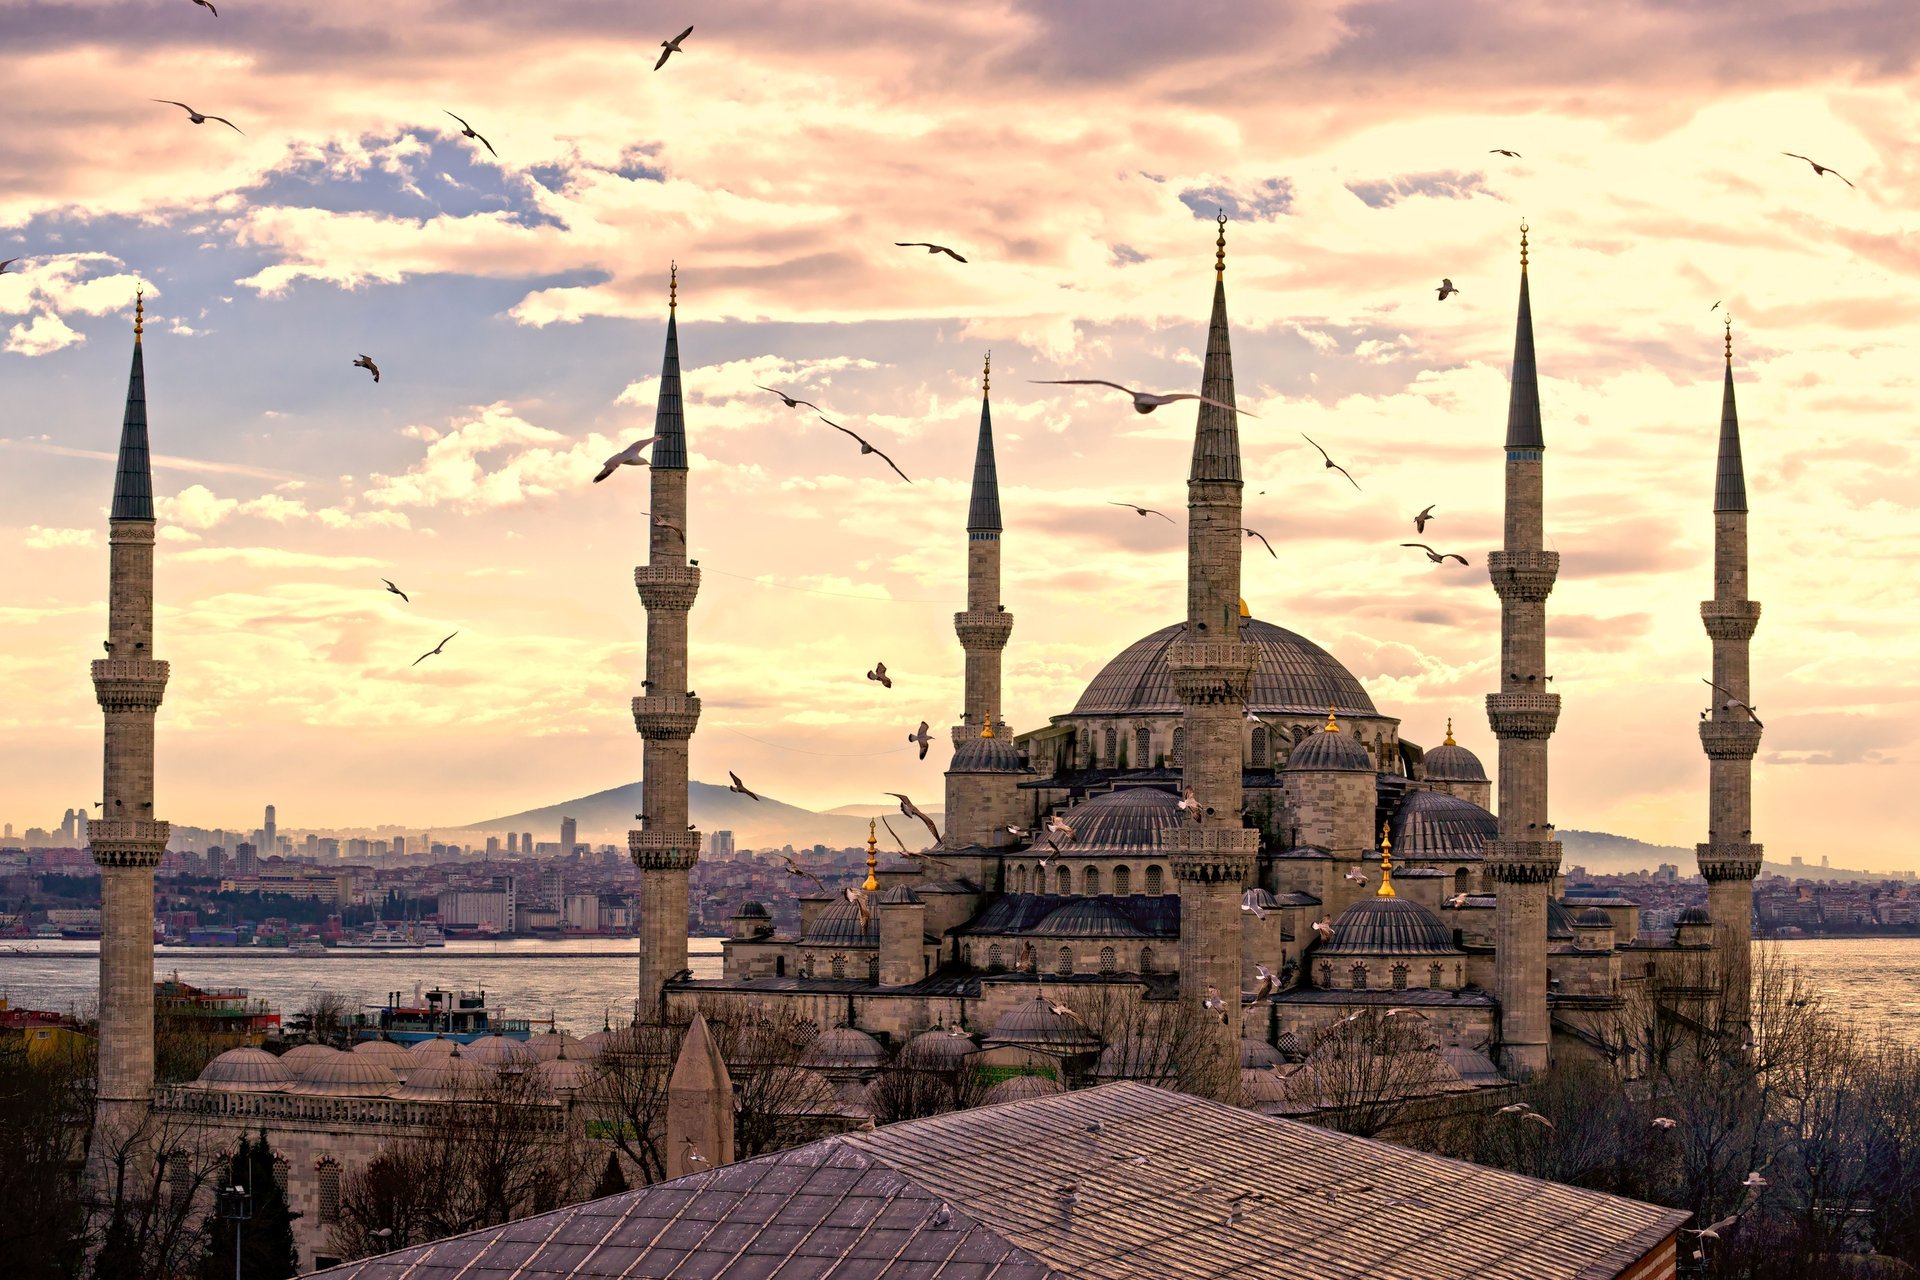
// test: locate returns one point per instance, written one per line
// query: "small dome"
(1291, 673)
(1255, 1054)
(549, 1045)
(246, 1071)
(1128, 820)
(438, 1047)
(1450, 762)
(1258, 900)
(839, 926)
(1332, 751)
(446, 1076)
(499, 1051)
(1559, 923)
(1020, 1088)
(845, 1049)
(303, 1058)
(1088, 918)
(1389, 926)
(1035, 1024)
(1694, 915)
(986, 755)
(595, 1043)
(753, 911)
(394, 1057)
(899, 894)
(936, 1050)
(348, 1075)
(1593, 918)
(566, 1074)
(1433, 824)
(1262, 1086)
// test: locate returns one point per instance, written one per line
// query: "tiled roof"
(1031, 1191)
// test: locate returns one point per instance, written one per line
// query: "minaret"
(1523, 860)
(1729, 860)
(666, 845)
(127, 839)
(1213, 857)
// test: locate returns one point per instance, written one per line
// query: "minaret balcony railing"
(1523, 715)
(983, 629)
(1212, 672)
(1523, 576)
(1730, 619)
(128, 842)
(1521, 861)
(1729, 739)
(129, 684)
(667, 586)
(654, 850)
(1203, 854)
(1728, 861)
(666, 717)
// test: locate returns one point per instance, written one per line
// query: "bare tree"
(1370, 1070)
(46, 1104)
(146, 1172)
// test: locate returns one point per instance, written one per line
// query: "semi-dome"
(348, 1075)
(1559, 923)
(937, 1050)
(1256, 1054)
(549, 1045)
(499, 1051)
(303, 1058)
(1451, 762)
(1433, 824)
(1291, 674)
(1088, 918)
(1034, 1023)
(839, 926)
(1127, 820)
(246, 1071)
(846, 1049)
(1330, 749)
(1020, 1088)
(1378, 926)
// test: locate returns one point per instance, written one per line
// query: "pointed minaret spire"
(1730, 480)
(1216, 438)
(133, 481)
(1523, 402)
(668, 423)
(983, 513)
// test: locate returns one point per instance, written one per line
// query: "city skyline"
(465, 474)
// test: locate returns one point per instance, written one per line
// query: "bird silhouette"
(1144, 511)
(467, 131)
(912, 810)
(866, 448)
(1438, 557)
(1445, 289)
(790, 402)
(879, 674)
(1502, 151)
(627, 457)
(429, 653)
(366, 362)
(1255, 533)
(1143, 401)
(1420, 521)
(795, 869)
(930, 247)
(4, 264)
(1819, 170)
(397, 591)
(1733, 704)
(671, 47)
(738, 787)
(922, 737)
(1330, 462)
(199, 117)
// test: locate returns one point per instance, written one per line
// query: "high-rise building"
(216, 861)
(526, 844)
(399, 846)
(569, 833)
(720, 845)
(493, 845)
(513, 842)
(270, 834)
(246, 859)
(313, 845)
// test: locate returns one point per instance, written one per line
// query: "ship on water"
(397, 935)
(461, 1016)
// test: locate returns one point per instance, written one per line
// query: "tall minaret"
(1729, 860)
(1522, 862)
(1213, 857)
(666, 845)
(127, 839)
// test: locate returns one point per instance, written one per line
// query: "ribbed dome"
(845, 1049)
(1433, 824)
(1035, 1024)
(549, 1045)
(1559, 923)
(1255, 1054)
(1088, 918)
(1331, 749)
(936, 1050)
(348, 1075)
(1450, 762)
(899, 894)
(839, 926)
(1292, 674)
(447, 1076)
(394, 1057)
(1020, 1088)
(499, 1051)
(438, 1047)
(1377, 926)
(246, 1071)
(595, 1043)
(986, 755)
(303, 1058)
(753, 911)
(1694, 915)
(566, 1073)
(1129, 820)
(1593, 918)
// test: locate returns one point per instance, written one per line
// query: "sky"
(1075, 152)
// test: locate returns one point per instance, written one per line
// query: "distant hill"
(607, 816)
(1615, 855)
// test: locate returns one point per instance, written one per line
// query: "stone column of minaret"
(127, 839)
(1522, 862)
(1730, 860)
(1213, 854)
(666, 846)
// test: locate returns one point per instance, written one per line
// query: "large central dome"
(1293, 674)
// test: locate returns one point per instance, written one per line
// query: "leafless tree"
(1370, 1070)
(145, 1172)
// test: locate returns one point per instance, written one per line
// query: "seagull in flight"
(1420, 521)
(1502, 151)
(922, 737)
(208, 6)
(1255, 533)
(930, 247)
(466, 131)
(1330, 462)
(1143, 511)
(1324, 927)
(1143, 401)
(200, 117)
(627, 457)
(1438, 557)
(795, 869)
(1819, 170)
(866, 448)
(397, 591)
(1732, 703)
(1059, 826)
(896, 836)
(790, 402)
(671, 47)
(1665, 1122)
(1445, 288)
(913, 810)
(1189, 803)
(738, 787)
(7, 263)
(1713, 308)
(429, 653)
(879, 673)
(366, 362)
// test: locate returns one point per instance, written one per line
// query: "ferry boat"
(393, 935)
(461, 1016)
(306, 949)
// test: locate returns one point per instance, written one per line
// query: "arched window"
(1122, 880)
(1359, 972)
(806, 967)
(280, 1173)
(1399, 977)
(1179, 748)
(1143, 746)
(1146, 959)
(1259, 746)
(1066, 960)
(839, 966)
(180, 1180)
(1090, 881)
(1154, 878)
(327, 1177)
(1433, 976)
(1109, 961)
(1299, 734)
(993, 957)
(1062, 880)
(873, 967)
(779, 966)
(1462, 882)
(1326, 976)
(1020, 878)
(1113, 747)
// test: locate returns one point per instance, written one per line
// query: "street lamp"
(236, 1206)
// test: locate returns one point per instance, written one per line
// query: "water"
(579, 982)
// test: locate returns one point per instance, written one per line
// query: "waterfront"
(580, 982)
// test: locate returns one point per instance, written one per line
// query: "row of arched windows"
(1357, 977)
(1088, 880)
(1064, 962)
(1263, 751)
(838, 966)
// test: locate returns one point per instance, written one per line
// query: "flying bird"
(1189, 803)
(200, 117)
(1358, 877)
(789, 401)
(1330, 462)
(1459, 900)
(1267, 982)
(1438, 557)
(1819, 170)
(922, 737)
(1664, 1122)
(1732, 703)
(1059, 826)
(1324, 927)
(397, 591)
(1143, 511)
(467, 131)
(366, 362)
(429, 653)
(866, 448)
(1714, 307)
(208, 6)
(879, 673)
(930, 247)
(671, 47)
(7, 263)
(896, 837)
(693, 1154)
(1445, 289)
(1502, 151)
(859, 899)
(795, 869)
(1754, 1182)
(738, 787)
(913, 810)
(1420, 521)
(1143, 401)
(1255, 533)
(627, 457)
(1252, 907)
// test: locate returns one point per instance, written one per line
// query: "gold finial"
(1386, 865)
(139, 313)
(873, 855)
(986, 375)
(1729, 337)
(1244, 611)
(986, 730)
(673, 285)
(1450, 742)
(1220, 249)
(1523, 245)
(1332, 725)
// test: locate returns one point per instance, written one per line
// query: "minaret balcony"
(664, 850)
(129, 684)
(666, 717)
(667, 586)
(1523, 576)
(128, 842)
(1212, 672)
(1730, 619)
(1728, 861)
(1203, 854)
(983, 629)
(1730, 739)
(1521, 861)
(1523, 715)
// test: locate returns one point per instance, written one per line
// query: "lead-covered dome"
(936, 1050)
(1088, 918)
(1333, 750)
(986, 755)
(839, 926)
(1021, 1088)
(1291, 674)
(1389, 927)
(246, 1071)
(1433, 824)
(1451, 762)
(1033, 1023)
(303, 1058)
(348, 1075)
(845, 1049)
(501, 1051)
(1128, 820)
